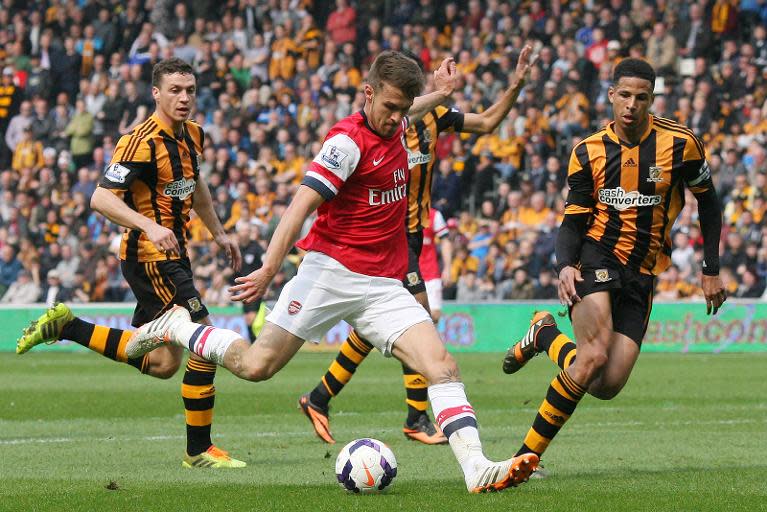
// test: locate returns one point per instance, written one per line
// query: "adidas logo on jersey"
(630, 163)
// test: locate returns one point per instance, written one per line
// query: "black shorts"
(251, 307)
(413, 281)
(631, 292)
(159, 284)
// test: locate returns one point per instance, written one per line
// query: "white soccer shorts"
(325, 292)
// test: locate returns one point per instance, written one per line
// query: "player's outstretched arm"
(253, 286)
(489, 120)
(115, 209)
(203, 205)
(444, 84)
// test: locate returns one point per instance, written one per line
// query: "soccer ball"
(365, 466)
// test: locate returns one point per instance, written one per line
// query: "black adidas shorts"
(413, 281)
(159, 284)
(631, 292)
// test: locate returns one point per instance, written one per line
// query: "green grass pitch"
(689, 432)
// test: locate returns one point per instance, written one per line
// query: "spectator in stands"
(80, 131)
(18, 123)
(446, 192)
(469, 288)
(28, 153)
(546, 287)
(752, 286)
(694, 38)
(54, 291)
(661, 50)
(10, 267)
(341, 25)
(22, 291)
(67, 267)
(519, 287)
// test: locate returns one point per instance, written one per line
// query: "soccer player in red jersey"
(356, 257)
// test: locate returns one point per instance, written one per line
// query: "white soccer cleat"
(496, 476)
(156, 333)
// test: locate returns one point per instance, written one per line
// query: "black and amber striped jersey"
(421, 141)
(634, 193)
(155, 173)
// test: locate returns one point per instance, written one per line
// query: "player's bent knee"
(258, 372)
(591, 362)
(605, 393)
(443, 371)
(164, 370)
(163, 364)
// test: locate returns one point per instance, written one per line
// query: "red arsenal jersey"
(363, 178)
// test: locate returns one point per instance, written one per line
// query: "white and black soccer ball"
(365, 466)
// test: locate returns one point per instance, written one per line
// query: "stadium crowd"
(274, 75)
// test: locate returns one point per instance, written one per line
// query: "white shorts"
(434, 293)
(325, 292)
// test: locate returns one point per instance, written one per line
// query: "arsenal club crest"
(294, 307)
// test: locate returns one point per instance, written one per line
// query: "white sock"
(206, 341)
(455, 417)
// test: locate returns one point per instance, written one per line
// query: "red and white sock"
(455, 416)
(206, 341)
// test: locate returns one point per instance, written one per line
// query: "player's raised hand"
(232, 251)
(163, 238)
(567, 293)
(251, 287)
(526, 61)
(713, 290)
(445, 77)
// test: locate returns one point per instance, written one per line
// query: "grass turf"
(689, 432)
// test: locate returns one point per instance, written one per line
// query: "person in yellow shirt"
(284, 53)
(573, 109)
(463, 262)
(309, 40)
(534, 215)
(292, 170)
(28, 153)
(264, 199)
(347, 75)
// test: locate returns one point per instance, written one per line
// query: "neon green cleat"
(46, 329)
(214, 457)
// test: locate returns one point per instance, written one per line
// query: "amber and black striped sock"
(199, 395)
(560, 402)
(417, 392)
(557, 346)
(105, 340)
(353, 351)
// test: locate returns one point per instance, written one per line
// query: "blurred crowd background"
(274, 75)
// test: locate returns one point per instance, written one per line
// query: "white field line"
(305, 432)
